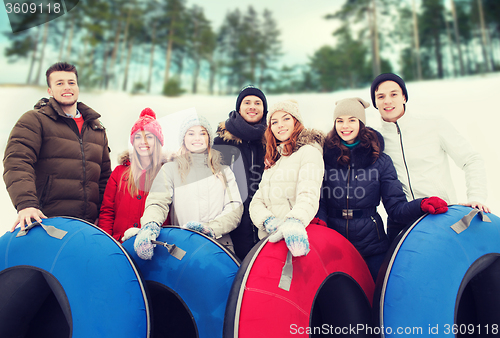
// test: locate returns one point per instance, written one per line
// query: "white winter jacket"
(203, 197)
(419, 147)
(291, 187)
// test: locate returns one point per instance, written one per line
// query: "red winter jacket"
(119, 210)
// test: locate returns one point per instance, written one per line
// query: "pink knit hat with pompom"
(147, 122)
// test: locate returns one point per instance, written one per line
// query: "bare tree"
(457, 38)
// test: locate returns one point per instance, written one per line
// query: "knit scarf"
(240, 128)
(352, 145)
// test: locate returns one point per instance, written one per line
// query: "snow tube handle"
(52, 231)
(464, 223)
(286, 273)
(173, 249)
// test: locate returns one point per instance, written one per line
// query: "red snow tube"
(331, 290)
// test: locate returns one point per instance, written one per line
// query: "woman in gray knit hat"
(358, 175)
(201, 191)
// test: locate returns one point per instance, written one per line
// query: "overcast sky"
(301, 22)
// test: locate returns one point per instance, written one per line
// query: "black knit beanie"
(387, 77)
(251, 90)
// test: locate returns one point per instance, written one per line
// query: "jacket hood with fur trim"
(313, 137)
(124, 158)
(225, 135)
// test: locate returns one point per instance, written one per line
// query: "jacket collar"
(391, 126)
(313, 137)
(225, 135)
(51, 108)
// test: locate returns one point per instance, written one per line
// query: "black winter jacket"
(358, 189)
(246, 159)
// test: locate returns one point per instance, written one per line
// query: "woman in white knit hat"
(288, 196)
(202, 193)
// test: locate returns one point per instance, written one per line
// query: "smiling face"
(347, 128)
(196, 139)
(390, 101)
(143, 143)
(282, 125)
(252, 109)
(64, 88)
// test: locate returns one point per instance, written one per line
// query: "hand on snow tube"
(318, 221)
(434, 205)
(197, 226)
(272, 223)
(129, 233)
(295, 235)
(142, 244)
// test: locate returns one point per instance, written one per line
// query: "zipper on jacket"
(254, 229)
(376, 226)
(347, 202)
(84, 178)
(72, 125)
(404, 158)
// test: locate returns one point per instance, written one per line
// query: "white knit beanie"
(289, 106)
(196, 120)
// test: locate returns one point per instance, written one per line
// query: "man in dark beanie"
(239, 139)
(419, 146)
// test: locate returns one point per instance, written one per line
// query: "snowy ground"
(469, 103)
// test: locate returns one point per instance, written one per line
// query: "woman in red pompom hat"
(129, 184)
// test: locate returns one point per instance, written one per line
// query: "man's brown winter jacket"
(51, 166)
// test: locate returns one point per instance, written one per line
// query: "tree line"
(130, 45)
(418, 39)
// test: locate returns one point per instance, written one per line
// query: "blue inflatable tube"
(82, 285)
(188, 295)
(442, 281)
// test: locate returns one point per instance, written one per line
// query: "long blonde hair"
(135, 169)
(214, 160)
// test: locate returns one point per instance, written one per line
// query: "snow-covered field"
(469, 103)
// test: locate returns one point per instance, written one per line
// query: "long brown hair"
(272, 154)
(367, 137)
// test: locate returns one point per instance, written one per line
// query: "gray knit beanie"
(196, 120)
(354, 106)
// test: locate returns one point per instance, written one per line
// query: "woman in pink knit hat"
(129, 184)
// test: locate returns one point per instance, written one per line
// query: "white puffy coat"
(291, 187)
(419, 147)
(202, 197)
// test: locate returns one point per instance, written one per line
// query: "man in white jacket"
(419, 146)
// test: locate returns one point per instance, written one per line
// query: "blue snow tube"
(188, 293)
(442, 281)
(80, 285)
